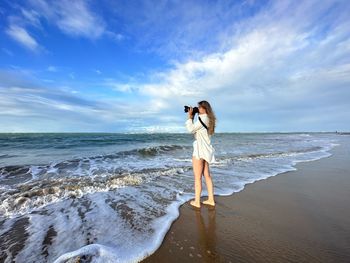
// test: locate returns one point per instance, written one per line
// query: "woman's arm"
(189, 123)
(193, 127)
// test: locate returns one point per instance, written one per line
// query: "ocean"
(112, 197)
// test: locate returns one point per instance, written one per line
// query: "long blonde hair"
(211, 115)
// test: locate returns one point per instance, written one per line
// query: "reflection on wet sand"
(206, 233)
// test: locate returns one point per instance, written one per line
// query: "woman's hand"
(190, 116)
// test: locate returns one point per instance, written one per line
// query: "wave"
(282, 154)
(153, 151)
(3, 156)
(90, 165)
(34, 195)
(21, 198)
(222, 160)
(96, 165)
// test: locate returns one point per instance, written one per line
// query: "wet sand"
(297, 216)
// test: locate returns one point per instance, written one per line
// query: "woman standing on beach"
(203, 151)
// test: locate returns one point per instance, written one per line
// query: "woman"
(203, 151)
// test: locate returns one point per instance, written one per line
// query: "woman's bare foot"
(207, 202)
(193, 203)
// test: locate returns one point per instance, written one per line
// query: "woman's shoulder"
(204, 117)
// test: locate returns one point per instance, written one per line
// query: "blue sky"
(131, 66)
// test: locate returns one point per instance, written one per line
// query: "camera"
(195, 110)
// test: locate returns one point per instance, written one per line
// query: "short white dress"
(202, 147)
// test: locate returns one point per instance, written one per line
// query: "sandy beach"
(297, 216)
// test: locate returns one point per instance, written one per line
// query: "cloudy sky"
(131, 66)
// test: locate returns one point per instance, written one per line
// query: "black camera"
(195, 110)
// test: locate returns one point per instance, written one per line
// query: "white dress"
(202, 147)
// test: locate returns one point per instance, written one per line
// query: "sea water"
(112, 197)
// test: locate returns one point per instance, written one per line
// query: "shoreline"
(295, 216)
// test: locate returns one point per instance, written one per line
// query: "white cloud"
(115, 36)
(29, 103)
(22, 36)
(8, 52)
(32, 17)
(74, 18)
(118, 86)
(273, 76)
(52, 68)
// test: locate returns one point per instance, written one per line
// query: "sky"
(131, 66)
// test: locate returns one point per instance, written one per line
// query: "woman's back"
(202, 147)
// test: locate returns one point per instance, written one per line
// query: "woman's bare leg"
(210, 186)
(197, 171)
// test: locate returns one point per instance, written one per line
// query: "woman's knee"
(207, 175)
